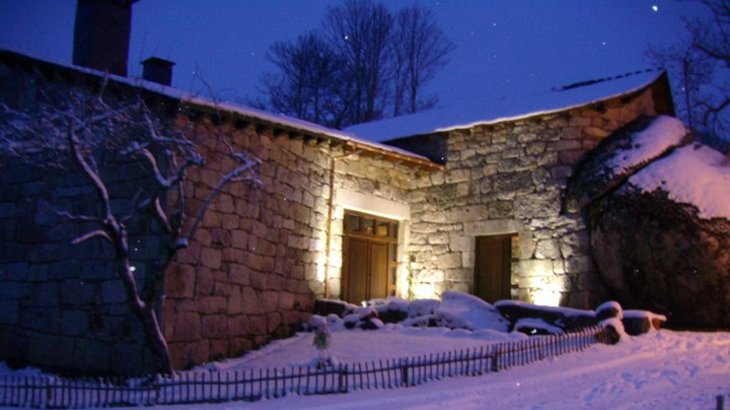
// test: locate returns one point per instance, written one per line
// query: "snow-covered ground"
(660, 370)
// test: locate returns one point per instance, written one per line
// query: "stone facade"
(250, 274)
(265, 251)
(509, 178)
(260, 257)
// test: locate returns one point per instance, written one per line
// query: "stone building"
(469, 204)
(468, 200)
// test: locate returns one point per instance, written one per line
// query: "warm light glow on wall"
(321, 262)
(546, 297)
(424, 291)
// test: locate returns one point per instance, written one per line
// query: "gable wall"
(509, 178)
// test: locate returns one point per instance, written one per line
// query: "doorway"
(493, 266)
(369, 255)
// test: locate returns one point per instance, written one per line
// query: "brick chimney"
(101, 34)
(157, 70)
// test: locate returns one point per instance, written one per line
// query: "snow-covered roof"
(223, 107)
(491, 110)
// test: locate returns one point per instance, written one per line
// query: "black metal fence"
(207, 387)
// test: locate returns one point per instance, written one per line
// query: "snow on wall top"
(693, 174)
(494, 110)
(190, 98)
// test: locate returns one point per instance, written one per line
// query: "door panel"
(492, 267)
(378, 270)
(357, 265)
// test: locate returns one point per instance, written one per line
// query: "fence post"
(404, 372)
(343, 378)
(720, 404)
(495, 359)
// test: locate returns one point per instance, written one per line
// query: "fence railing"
(255, 384)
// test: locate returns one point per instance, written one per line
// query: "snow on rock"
(620, 155)
(662, 134)
(422, 307)
(567, 319)
(696, 175)
(608, 310)
(638, 322)
(460, 310)
(617, 325)
(534, 326)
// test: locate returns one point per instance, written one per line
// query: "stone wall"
(509, 178)
(246, 276)
(249, 275)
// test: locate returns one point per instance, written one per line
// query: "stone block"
(12, 290)
(180, 281)
(74, 322)
(8, 312)
(215, 326)
(213, 304)
(273, 322)
(250, 301)
(449, 260)
(239, 274)
(239, 239)
(500, 209)
(211, 258)
(270, 300)
(547, 249)
(48, 294)
(535, 267)
(238, 325)
(204, 281)
(234, 301)
(258, 325)
(219, 349)
(187, 326)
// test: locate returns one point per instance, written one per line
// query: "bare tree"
(700, 66)
(88, 133)
(363, 64)
(308, 81)
(419, 50)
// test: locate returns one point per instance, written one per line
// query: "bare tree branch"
(92, 234)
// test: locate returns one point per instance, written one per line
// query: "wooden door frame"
(390, 241)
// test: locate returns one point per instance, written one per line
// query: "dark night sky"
(503, 47)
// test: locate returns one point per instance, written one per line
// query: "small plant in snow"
(322, 339)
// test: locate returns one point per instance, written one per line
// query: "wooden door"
(493, 267)
(369, 256)
(356, 252)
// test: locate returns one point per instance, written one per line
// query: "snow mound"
(460, 310)
(695, 174)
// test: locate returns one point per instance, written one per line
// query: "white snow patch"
(663, 133)
(694, 174)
